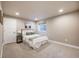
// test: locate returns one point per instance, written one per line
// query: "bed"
(34, 40)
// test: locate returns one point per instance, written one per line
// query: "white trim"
(66, 44)
(2, 43)
(1, 51)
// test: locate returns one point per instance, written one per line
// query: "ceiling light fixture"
(17, 13)
(36, 19)
(61, 10)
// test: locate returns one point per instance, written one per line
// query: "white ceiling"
(42, 9)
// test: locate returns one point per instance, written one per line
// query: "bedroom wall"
(64, 28)
(32, 24)
(21, 24)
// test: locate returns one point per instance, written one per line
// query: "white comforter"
(35, 41)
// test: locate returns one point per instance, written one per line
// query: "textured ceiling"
(42, 9)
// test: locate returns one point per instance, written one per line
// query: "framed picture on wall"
(30, 27)
(25, 26)
(1, 17)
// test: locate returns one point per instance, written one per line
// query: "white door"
(9, 30)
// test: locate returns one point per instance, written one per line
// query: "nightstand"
(19, 38)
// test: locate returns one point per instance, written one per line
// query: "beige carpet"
(49, 50)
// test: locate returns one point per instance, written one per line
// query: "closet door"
(9, 30)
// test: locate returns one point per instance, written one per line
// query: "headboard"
(25, 31)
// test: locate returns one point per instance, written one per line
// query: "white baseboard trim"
(4, 43)
(65, 44)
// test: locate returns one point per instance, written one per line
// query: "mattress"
(35, 40)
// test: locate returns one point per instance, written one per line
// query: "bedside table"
(19, 38)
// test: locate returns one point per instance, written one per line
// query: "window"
(42, 27)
